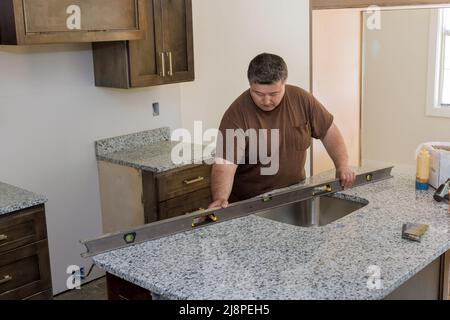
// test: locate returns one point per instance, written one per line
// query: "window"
(438, 103)
(444, 90)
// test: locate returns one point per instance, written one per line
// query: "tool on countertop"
(199, 219)
(414, 231)
(442, 193)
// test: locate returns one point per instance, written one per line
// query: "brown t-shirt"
(298, 117)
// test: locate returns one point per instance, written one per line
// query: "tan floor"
(94, 290)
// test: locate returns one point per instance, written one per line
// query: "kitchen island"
(360, 256)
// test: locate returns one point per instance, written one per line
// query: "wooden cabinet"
(131, 197)
(60, 21)
(165, 56)
(24, 256)
(119, 289)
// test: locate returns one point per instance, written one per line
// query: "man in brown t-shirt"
(289, 116)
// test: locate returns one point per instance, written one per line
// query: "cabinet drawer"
(185, 204)
(50, 21)
(22, 228)
(25, 271)
(180, 182)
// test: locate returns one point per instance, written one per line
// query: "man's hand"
(221, 203)
(347, 176)
(335, 146)
(222, 177)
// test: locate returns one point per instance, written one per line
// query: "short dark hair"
(267, 68)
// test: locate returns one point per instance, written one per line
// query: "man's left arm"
(335, 146)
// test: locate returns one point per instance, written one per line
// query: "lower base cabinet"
(119, 289)
(24, 256)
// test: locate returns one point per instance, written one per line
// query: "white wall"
(395, 84)
(227, 35)
(50, 115)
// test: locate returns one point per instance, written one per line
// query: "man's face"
(267, 96)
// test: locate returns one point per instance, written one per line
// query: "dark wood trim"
(7, 23)
(190, 41)
(149, 197)
(119, 289)
(445, 276)
(341, 4)
(14, 19)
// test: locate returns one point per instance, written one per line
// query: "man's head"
(267, 74)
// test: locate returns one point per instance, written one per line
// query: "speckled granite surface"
(131, 141)
(13, 198)
(257, 258)
(150, 150)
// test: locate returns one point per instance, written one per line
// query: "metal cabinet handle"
(6, 279)
(188, 182)
(163, 64)
(170, 63)
(3, 237)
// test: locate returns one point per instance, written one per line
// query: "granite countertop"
(148, 150)
(257, 258)
(13, 198)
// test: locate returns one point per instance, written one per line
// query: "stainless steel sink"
(317, 211)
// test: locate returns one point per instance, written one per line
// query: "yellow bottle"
(423, 169)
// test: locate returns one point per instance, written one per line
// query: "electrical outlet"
(156, 109)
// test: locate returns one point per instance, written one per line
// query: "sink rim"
(336, 195)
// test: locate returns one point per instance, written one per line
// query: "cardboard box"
(439, 163)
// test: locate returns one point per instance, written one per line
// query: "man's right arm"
(222, 177)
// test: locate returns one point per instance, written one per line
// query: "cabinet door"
(61, 21)
(178, 39)
(25, 271)
(166, 55)
(147, 59)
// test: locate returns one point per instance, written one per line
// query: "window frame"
(434, 107)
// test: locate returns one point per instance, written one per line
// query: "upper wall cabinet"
(166, 55)
(25, 22)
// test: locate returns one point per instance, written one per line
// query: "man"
(272, 104)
